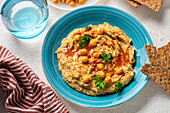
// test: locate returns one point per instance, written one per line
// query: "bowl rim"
(136, 92)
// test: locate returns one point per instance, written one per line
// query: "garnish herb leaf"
(102, 84)
(103, 61)
(97, 79)
(118, 86)
(83, 41)
(87, 27)
(106, 57)
(98, 83)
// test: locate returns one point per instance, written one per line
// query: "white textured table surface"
(152, 99)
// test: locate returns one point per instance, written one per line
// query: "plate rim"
(97, 6)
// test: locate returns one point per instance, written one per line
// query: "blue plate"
(95, 15)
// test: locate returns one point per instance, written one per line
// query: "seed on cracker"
(133, 3)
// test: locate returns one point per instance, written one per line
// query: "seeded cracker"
(164, 51)
(160, 71)
(153, 4)
(159, 58)
(133, 3)
(160, 76)
(151, 53)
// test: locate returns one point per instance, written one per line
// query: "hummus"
(94, 58)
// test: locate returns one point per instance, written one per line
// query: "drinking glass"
(25, 18)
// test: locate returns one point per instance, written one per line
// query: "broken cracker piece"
(160, 76)
(151, 53)
(153, 4)
(133, 3)
(159, 58)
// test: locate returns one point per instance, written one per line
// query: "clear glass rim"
(17, 18)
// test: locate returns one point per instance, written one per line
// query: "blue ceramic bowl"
(95, 15)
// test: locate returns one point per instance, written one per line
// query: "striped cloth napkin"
(27, 93)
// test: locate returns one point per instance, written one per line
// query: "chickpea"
(93, 42)
(67, 1)
(83, 52)
(55, 1)
(72, 4)
(86, 79)
(84, 59)
(108, 79)
(62, 1)
(100, 31)
(118, 70)
(102, 74)
(100, 66)
(76, 1)
(77, 37)
(81, 2)
(96, 55)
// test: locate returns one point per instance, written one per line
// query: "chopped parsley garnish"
(87, 27)
(106, 57)
(83, 41)
(102, 84)
(118, 86)
(97, 80)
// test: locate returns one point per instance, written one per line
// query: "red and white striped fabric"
(27, 93)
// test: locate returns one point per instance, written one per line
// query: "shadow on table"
(132, 106)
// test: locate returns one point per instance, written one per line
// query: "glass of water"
(25, 18)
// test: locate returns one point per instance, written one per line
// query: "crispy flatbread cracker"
(165, 54)
(160, 76)
(159, 58)
(151, 53)
(160, 71)
(153, 4)
(133, 3)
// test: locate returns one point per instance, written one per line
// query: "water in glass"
(25, 18)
